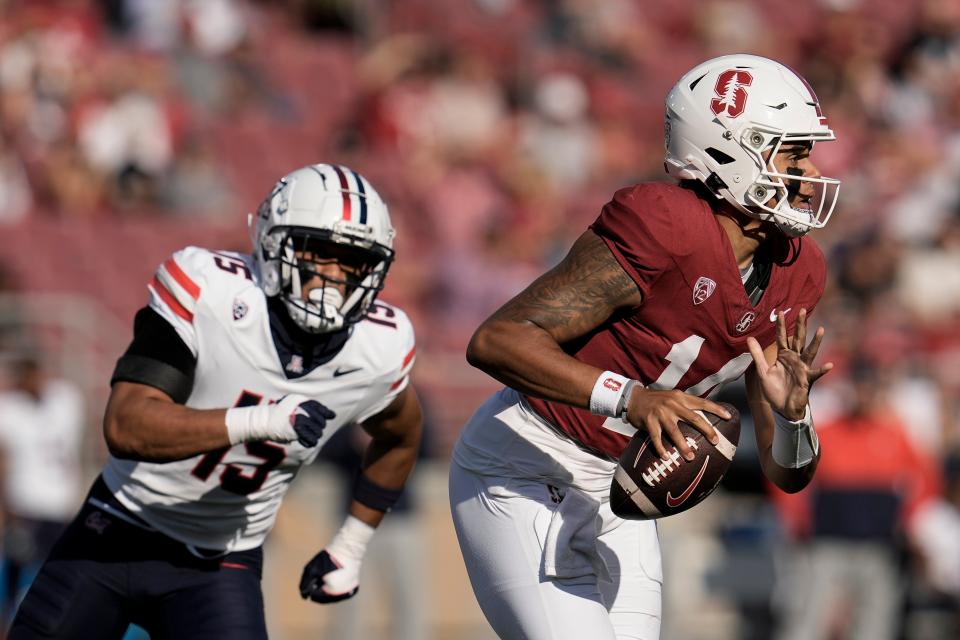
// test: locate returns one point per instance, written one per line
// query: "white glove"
(334, 573)
(293, 417)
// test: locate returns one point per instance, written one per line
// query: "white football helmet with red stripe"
(322, 203)
(725, 114)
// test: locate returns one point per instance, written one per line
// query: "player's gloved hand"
(293, 417)
(325, 579)
(334, 573)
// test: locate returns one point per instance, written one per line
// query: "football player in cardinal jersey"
(241, 367)
(672, 291)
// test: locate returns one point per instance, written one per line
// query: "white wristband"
(351, 540)
(609, 392)
(795, 443)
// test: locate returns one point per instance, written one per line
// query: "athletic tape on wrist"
(370, 494)
(350, 542)
(795, 442)
(241, 423)
(607, 395)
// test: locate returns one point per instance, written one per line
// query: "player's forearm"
(520, 343)
(388, 463)
(155, 430)
(526, 358)
(790, 480)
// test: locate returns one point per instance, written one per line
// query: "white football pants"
(547, 558)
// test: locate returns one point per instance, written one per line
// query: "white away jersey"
(228, 499)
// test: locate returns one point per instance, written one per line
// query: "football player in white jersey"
(241, 367)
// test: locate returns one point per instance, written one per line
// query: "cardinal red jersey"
(691, 330)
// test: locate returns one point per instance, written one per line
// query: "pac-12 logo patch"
(703, 289)
(731, 96)
(240, 309)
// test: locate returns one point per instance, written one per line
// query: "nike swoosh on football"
(773, 314)
(676, 502)
(337, 372)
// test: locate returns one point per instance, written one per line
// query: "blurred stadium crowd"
(496, 129)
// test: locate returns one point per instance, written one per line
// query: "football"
(646, 487)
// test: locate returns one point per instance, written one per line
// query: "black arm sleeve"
(157, 357)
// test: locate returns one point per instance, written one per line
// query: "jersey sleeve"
(633, 227)
(158, 357)
(175, 290)
(397, 376)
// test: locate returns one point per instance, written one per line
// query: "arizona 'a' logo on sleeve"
(731, 96)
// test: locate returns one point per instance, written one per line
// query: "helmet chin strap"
(320, 313)
(792, 228)
(789, 220)
(787, 226)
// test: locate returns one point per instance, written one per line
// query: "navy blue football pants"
(105, 573)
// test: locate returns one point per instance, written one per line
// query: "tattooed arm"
(520, 343)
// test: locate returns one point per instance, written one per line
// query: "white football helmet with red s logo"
(725, 115)
(315, 206)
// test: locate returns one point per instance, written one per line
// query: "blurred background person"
(850, 526)
(935, 533)
(41, 432)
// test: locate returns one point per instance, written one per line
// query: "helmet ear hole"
(716, 184)
(718, 156)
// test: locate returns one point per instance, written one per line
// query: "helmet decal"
(731, 97)
(344, 193)
(361, 196)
